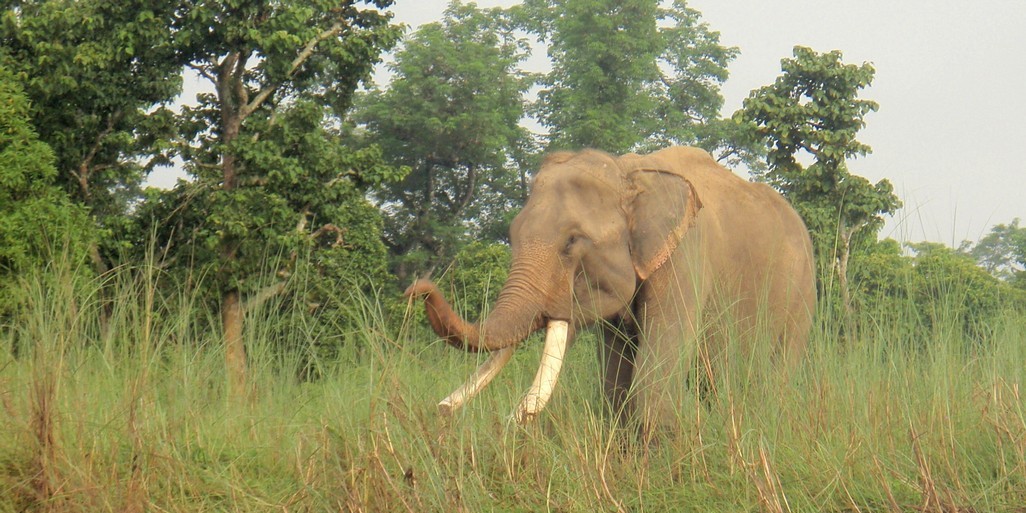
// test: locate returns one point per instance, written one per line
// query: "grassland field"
(886, 415)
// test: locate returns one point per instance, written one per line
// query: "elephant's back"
(752, 243)
(751, 220)
(725, 196)
(711, 181)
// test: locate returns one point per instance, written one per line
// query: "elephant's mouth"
(556, 340)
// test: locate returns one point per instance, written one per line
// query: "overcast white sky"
(950, 81)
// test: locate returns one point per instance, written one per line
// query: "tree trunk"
(234, 347)
(843, 255)
(228, 92)
(106, 303)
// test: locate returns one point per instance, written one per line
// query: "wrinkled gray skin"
(669, 250)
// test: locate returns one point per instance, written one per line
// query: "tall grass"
(132, 415)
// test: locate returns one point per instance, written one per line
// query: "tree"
(94, 71)
(37, 219)
(813, 108)
(881, 275)
(949, 286)
(631, 76)
(1002, 252)
(603, 54)
(938, 287)
(693, 65)
(267, 168)
(451, 115)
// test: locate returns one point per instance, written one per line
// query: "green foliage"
(936, 285)
(451, 116)
(950, 285)
(1002, 252)
(813, 109)
(35, 214)
(477, 274)
(317, 48)
(603, 54)
(94, 71)
(273, 179)
(632, 76)
(308, 208)
(881, 273)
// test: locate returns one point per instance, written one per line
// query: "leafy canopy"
(37, 218)
(1002, 252)
(94, 71)
(631, 75)
(813, 109)
(271, 174)
(451, 115)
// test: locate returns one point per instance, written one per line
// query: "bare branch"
(330, 228)
(300, 59)
(202, 71)
(264, 294)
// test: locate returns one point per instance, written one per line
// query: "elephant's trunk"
(516, 315)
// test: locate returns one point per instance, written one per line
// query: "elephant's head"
(593, 228)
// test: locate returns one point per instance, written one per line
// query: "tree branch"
(203, 71)
(204, 165)
(468, 194)
(239, 82)
(330, 228)
(85, 168)
(264, 294)
(300, 59)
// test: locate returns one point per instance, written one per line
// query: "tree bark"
(231, 302)
(234, 347)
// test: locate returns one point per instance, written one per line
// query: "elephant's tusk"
(548, 372)
(478, 380)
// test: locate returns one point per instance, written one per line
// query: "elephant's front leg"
(616, 362)
(666, 355)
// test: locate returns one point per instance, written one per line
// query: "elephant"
(670, 253)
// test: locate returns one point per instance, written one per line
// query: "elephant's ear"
(662, 208)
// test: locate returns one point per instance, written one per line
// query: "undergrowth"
(131, 414)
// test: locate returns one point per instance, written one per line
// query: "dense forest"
(314, 197)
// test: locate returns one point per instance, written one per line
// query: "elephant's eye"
(571, 242)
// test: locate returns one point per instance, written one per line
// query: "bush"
(477, 275)
(937, 283)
